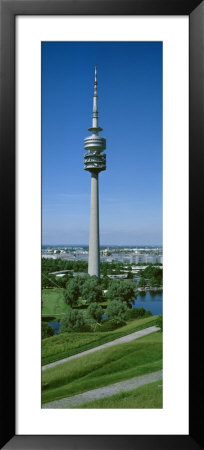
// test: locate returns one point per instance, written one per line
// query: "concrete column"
(94, 259)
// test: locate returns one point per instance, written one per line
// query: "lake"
(152, 301)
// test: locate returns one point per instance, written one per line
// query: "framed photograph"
(44, 48)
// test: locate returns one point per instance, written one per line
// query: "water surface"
(152, 301)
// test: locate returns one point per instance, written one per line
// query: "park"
(106, 354)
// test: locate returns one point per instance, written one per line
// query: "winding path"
(121, 340)
(106, 391)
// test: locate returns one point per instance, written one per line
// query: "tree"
(73, 320)
(91, 290)
(48, 280)
(152, 272)
(124, 291)
(105, 282)
(141, 282)
(72, 292)
(130, 275)
(117, 309)
(94, 311)
(47, 330)
(153, 281)
(80, 280)
(62, 281)
(80, 266)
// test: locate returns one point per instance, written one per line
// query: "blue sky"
(130, 113)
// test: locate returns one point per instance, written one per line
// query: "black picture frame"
(9, 9)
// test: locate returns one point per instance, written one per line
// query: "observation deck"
(94, 162)
(95, 159)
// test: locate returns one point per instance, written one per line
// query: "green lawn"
(103, 368)
(67, 344)
(147, 396)
(53, 303)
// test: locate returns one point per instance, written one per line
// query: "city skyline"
(130, 107)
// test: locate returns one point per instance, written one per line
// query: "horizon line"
(105, 245)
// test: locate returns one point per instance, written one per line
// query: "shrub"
(160, 322)
(111, 324)
(135, 313)
(116, 309)
(148, 313)
(95, 327)
(73, 320)
(47, 330)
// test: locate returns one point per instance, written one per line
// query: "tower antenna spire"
(95, 128)
(95, 82)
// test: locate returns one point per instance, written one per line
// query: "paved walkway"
(122, 340)
(106, 391)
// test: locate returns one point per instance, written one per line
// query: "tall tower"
(94, 162)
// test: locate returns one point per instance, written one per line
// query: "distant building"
(159, 259)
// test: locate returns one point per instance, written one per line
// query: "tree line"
(153, 274)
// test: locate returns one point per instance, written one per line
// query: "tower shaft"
(94, 255)
(94, 162)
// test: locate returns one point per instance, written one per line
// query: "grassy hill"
(103, 368)
(67, 344)
(148, 396)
